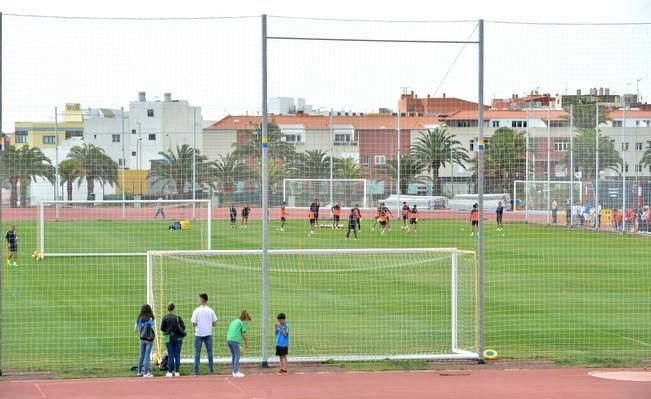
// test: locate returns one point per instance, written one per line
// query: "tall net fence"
(372, 142)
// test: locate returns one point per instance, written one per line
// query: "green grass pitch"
(568, 295)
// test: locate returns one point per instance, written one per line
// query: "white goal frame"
(455, 353)
(331, 189)
(578, 183)
(124, 204)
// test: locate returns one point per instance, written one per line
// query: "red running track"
(475, 384)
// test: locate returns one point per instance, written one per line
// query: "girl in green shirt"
(235, 337)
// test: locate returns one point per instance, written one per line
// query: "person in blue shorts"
(282, 342)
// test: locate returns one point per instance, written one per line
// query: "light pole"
(139, 156)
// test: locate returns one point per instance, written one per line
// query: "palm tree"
(311, 164)
(585, 154)
(436, 149)
(96, 166)
(347, 168)
(410, 171)
(505, 158)
(22, 165)
(276, 172)
(176, 167)
(229, 170)
(278, 149)
(646, 157)
(69, 171)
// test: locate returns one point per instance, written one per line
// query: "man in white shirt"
(203, 320)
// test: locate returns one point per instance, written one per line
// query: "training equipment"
(490, 354)
(81, 228)
(410, 303)
(299, 193)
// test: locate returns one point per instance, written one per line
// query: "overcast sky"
(216, 63)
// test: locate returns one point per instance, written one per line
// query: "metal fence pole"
(332, 149)
(2, 276)
(596, 166)
(480, 193)
(265, 191)
(194, 162)
(572, 166)
(124, 167)
(549, 166)
(624, 169)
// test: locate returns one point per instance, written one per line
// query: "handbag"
(147, 332)
(178, 331)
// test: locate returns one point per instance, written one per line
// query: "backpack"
(147, 332)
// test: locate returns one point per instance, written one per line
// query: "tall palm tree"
(278, 149)
(410, 171)
(69, 171)
(505, 158)
(311, 164)
(96, 166)
(347, 168)
(646, 157)
(229, 170)
(22, 165)
(585, 154)
(435, 149)
(176, 167)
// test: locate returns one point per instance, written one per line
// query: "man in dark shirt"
(314, 211)
(245, 215)
(233, 216)
(499, 213)
(352, 224)
(12, 245)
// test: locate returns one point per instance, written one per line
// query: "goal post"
(408, 303)
(74, 228)
(536, 196)
(299, 193)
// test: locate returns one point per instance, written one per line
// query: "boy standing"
(474, 219)
(245, 216)
(12, 245)
(203, 320)
(282, 342)
(283, 217)
(232, 213)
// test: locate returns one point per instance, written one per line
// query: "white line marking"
(40, 391)
(235, 385)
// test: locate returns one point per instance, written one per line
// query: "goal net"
(539, 196)
(300, 193)
(354, 304)
(74, 228)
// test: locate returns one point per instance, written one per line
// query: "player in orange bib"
(474, 219)
(405, 216)
(358, 216)
(336, 215)
(283, 217)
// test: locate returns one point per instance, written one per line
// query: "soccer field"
(571, 296)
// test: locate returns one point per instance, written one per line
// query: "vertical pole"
(526, 171)
(209, 225)
(549, 166)
(56, 156)
(194, 162)
(596, 166)
(41, 226)
(124, 167)
(480, 192)
(331, 191)
(624, 167)
(1, 246)
(572, 165)
(265, 192)
(399, 190)
(453, 300)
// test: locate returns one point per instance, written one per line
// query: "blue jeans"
(198, 341)
(235, 355)
(144, 363)
(174, 354)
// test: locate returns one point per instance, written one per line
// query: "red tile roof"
(633, 113)
(322, 121)
(509, 114)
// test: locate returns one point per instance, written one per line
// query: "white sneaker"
(177, 374)
(239, 374)
(169, 374)
(148, 375)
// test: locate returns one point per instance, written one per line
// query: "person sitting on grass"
(282, 342)
(176, 226)
(145, 328)
(234, 338)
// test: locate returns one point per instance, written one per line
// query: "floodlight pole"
(2, 150)
(265, 206)
(331, 191)
(194, 161)
(572, 166)
(124, 166)
(480, 193)
(549, 165)
(596, 166)
(398, 160)
(624, 168)
(526, 171)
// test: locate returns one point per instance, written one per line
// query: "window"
(471, 147)
(121, 162)
(73, 133)
(115, 138)
(380, 159)
(293, 138)
(612, 141)
(638, 167)
(518, 123)
(626, 167)
(561, 145)
(366, 160)
(638, 146)
(150, 113)
(617, 123)
(152, 137)
(21, 136)
(133, 131)
(557, 124)
(133, 153)
(625, 146)
(342, 138)
(496, 123)
(49, 139)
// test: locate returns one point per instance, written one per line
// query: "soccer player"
(388, 215)
(499, 212)
(377, 216)
(382, 219)
(235, 336)
(312, 217)
(12, 245)
(358, 217)
(245, 216)
(352, 224)
(405, 216)
(283, 217)
(159, 209)
(314, 208)
(232, 212)
(203, 320)
(336, 215)
(413, 217)
(474, 219)
(282, 342)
